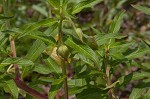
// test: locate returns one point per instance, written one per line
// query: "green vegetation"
(74, 49)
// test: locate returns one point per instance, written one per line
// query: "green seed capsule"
(63, 51)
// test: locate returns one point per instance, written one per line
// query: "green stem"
(65, 79)
(60, 35)
(108, 72)
(108, 67)
(60, 42)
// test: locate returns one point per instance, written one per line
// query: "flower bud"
(63, 51)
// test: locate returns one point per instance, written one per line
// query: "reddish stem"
(18, 80)
(29, 90)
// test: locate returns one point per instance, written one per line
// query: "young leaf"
(115, 26)
(85, 4)
(145, 10)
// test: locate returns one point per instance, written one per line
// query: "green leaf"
(92, 93)
(44, 23)
(84, 59)
(115, 26)
(35, 50)
(41, 10)
(54, 3)
(5, 18)
(145, 10)
(45, 39)
(52, 65)
(136, 93)
(12, 88)
(83, 49)
(85, 4)
(133, 76)
(105, 38)
(138, 53)
(3, 39)
(47, 79)
(77, 82)
(76, 90)
(19, 61)
(147, 95)
(26, 70)
(56, 85)
(42, 69)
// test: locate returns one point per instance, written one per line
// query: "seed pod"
(63, 51)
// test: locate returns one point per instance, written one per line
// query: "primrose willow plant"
(50, 57)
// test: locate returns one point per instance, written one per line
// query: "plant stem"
(60, 35)
(65, 79)
(107, 65)
(60, 42)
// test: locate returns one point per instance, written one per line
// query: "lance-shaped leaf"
(105, 39)
(44, 23)
(3, 39)
(42, 69)
(46, 39)
(147, 95)
(40, 10)
(115, 26)
(11, 87)
(92, 93)
(136, 93)
(54, 3)
(133, 76)
(5, 18)
(138, 53)
(83, 49)
(19, 61)
(77, 82)
(56, 85)
(85, 4)
(36, 50)
(145, 10)
(52, 65)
